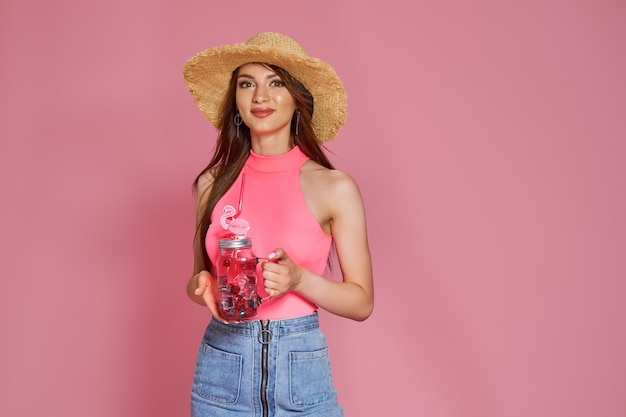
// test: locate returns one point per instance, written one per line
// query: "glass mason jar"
(237, 279)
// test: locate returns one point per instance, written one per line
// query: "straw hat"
(208, 74)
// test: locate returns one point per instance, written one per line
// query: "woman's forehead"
(255, 66)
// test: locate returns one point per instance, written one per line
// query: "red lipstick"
(262, 112)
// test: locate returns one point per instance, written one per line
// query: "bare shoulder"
(204, 184)
(202, 191)
(328, 191)
(332, 180)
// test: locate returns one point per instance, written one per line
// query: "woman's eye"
(245, 84)
(277, 83)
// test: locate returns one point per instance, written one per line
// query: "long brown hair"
(232, 150)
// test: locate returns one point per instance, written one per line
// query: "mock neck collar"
(277, 163)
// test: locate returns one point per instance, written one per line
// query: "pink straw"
(243, 182)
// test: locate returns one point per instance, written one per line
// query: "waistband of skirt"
(252, 327)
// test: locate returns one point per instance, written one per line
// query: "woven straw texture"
(207, 75)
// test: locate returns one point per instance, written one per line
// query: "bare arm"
(199, 288)
(354, 296)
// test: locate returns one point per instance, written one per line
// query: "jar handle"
(267, 298)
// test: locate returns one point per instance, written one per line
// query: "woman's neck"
(271, 145)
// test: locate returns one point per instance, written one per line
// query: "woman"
(274, 106)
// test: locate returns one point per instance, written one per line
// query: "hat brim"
(207, 76)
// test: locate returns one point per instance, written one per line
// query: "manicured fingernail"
(271, 255)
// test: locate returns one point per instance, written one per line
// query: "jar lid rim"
(234, 243)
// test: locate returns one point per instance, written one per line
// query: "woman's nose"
(260, 95)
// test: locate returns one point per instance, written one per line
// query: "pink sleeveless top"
(273, 204)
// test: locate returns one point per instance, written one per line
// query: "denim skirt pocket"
(218, 375)
(310, 377)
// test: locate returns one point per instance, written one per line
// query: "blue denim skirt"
(265, 369)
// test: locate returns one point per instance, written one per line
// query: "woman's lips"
(261, 112)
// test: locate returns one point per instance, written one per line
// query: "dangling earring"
(238, 122)
(297, 120)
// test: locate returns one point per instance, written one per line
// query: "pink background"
(488, 140)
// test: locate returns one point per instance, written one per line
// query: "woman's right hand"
(202, 287)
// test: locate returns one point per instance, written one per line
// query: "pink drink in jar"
(237, 279)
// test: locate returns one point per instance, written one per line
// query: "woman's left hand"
(280, 274)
